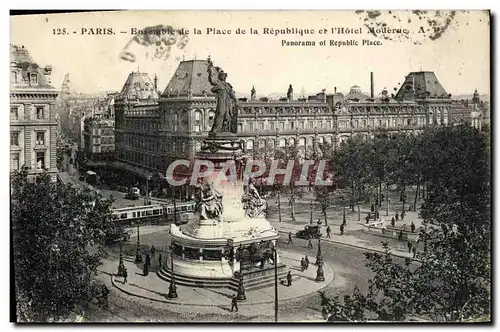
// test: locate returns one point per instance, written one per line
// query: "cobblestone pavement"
(260, 303)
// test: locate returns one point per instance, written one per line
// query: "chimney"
(335, 90)
(371, 86)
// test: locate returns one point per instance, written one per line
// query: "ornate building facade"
(33, 123)
(154, 130)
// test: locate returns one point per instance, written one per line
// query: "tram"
(155, 213)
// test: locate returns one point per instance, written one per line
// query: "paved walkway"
(205, 300)
(353, 238)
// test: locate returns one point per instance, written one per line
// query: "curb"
(360, 247)
(211, 305)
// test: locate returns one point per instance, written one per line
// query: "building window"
(261, 125)
(282, 126)
(292, 125)
(282, 142)
(40, 113)
(240, 127)
(13, 77)
(271, 125)
(249, 145)
(40, 160)
(250, 126)
(33, 78)
(364, 123)
(197, 116)
(197, 128)
(14, 139)
(14, 162)
(408, 122)
(211, 116)
(14, 113)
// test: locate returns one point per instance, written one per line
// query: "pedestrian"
(414, 251)
(328, 231)
(153, 250)
(302, 264)
(400, 235)
(397, 216)
(368, 218)
(409, 246)
(148, 260)
(373, 208)
(377, 215)
(342, 229)
(306, 260)
(382, 197)
(376, 201)
(344, 222)
(309, 243)
(159, 260)
(234, 303)
(125, 275)
(393, 222)
(403, 214)
(145, 269)
(290, 240)
(289, 278)
(412, 227)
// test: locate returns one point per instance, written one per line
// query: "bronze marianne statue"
(209, 201)
(225, 120)
(254, 205)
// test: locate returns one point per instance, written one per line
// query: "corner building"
(33, 123)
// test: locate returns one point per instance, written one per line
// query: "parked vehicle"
(134, 193)
(308, 232)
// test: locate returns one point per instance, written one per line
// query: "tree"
(82, 158)
(452, 280)
(56, 231)
(323, 196)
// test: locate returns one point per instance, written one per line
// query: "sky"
(459, 56)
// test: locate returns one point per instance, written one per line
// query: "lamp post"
(172, 289)
(279, 207)
(311, 205)
(175, 209)
(241, 289)
(138, 254)
(121, 266)
(275, 252)
(146, 198)
(320, 275)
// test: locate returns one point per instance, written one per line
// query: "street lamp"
(121, 266)
(146, 198)
(320, 275)
(172, 289)
(138, 254)
(241, 289)
(311, 205)
(275, 252)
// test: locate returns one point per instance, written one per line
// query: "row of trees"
(452, 281)
(58, 232)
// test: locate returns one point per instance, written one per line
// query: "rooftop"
(139, 86)
(22, 66)
(191, 77)
(420, 85)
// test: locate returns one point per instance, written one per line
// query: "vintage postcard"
(251, 166)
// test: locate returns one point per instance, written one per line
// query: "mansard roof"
(22, 64)
(138, 86)
(191, 77)
(421, 85)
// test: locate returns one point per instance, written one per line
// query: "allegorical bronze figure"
(225, 120)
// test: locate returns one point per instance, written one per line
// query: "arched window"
(291, 141)
(282, 142)
(302, 141)
(176, 121)
(271, 143)
(197, 116)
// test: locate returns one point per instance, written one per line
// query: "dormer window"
(33, 77)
